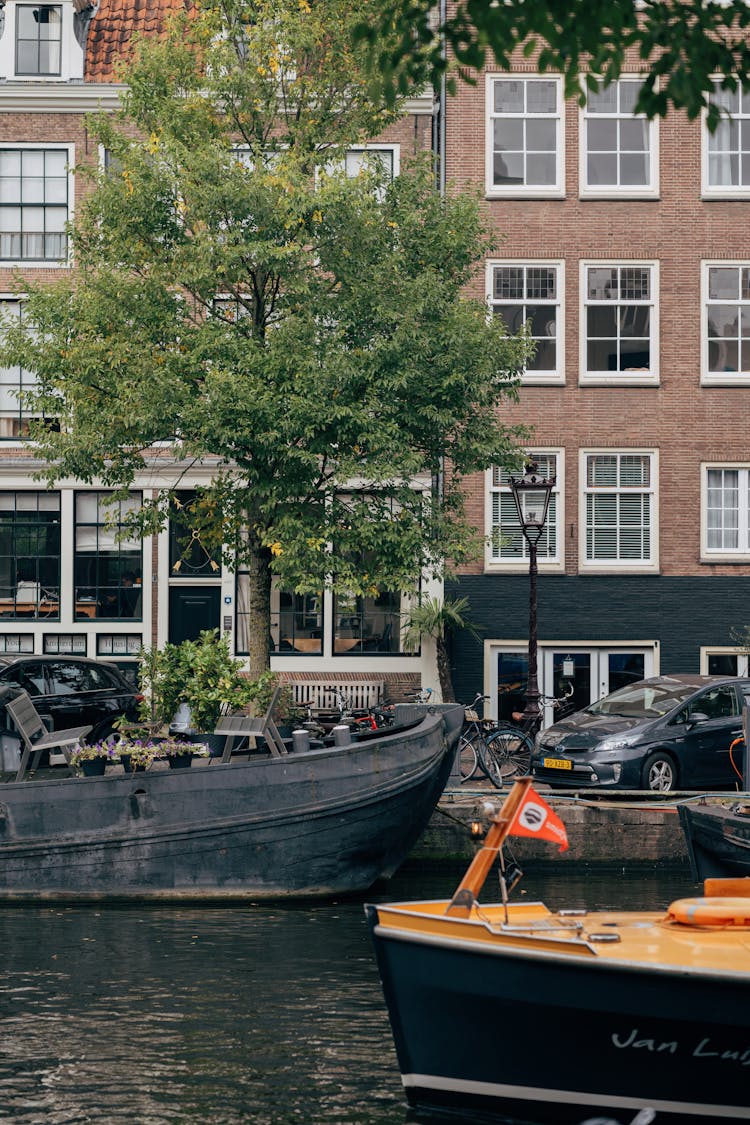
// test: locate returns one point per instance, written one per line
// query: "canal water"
(200, 1016)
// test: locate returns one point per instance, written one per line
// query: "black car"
(667, 732)
(70, 691)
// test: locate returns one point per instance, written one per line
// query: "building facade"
(624, 244)
(68, 583)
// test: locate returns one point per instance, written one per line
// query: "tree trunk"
(259, 609)
(444, 671)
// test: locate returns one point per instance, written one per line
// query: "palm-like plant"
(436, 618)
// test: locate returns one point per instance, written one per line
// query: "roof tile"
(113, 26)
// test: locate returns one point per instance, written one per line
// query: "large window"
(619, 500)
(618, 154)
(727, 511)
(531, 292)
(727, 323)
(33, 204)
(619, 331)
(296, 620)
(367, 624)
(108, 565)
(30, 554)
(38, 39)
(507, 544)
(524, 143)
(13, 382)
(726, 165)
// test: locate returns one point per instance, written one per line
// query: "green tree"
(684, 44)
(436, 618)
(237, 296)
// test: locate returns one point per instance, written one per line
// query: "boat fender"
(714, 911)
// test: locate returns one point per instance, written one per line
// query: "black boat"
(718, 838)
(326, 821)
(510, 1010)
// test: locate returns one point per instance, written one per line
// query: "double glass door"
(579, 674)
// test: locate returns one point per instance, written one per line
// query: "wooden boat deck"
(623, 937)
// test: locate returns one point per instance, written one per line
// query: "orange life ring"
(717, 911)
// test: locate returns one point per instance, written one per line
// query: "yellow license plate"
(557, 764)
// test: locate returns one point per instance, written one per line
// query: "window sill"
(726, 379)
(648, 195)
(615, 568)
(622, 379)
(738, 559)
(521, 193)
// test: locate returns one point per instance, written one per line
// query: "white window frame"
(719, 191)
(551, 191)
(743, 659)
(649, 190)
(536, 377)
(556, 564)
(624, 566)
(727, 554)
(22, 414)
(43, 146)
(719, 378)
(635, 377)
(71, 52)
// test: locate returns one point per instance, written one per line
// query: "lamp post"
(531, 494)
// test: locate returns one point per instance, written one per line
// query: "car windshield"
(643, 700)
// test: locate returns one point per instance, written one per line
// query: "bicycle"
(508, 751)
(471, 750)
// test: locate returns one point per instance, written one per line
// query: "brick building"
(624, 242)
(67, 585)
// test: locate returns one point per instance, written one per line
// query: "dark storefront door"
(192, 609)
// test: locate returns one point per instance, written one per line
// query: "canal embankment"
(624, 830)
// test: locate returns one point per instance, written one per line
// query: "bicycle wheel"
(467, 757)
(489, 762)
(511, 750)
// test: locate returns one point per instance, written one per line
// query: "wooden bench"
(237, 727)
(36, 737)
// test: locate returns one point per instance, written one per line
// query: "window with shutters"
(619, 510)
(726, 512)
(507, 547)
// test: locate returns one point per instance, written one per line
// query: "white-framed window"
(619, 510)
(619, 148)
(507, 548)
(524, 136)
(726, 322)
(14, 381)
(724, 661)
(35, 197)
(521, 292)
(619, 323)
(725, 515)
(726, 151)
(38, 39)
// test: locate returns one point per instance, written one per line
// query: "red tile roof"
(113, 27)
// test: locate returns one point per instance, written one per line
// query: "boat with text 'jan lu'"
(289, 821)
(511, 1010)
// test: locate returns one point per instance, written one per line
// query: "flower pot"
(214, 742)
(93, 767)
(180, 761)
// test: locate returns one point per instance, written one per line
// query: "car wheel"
(659, 773)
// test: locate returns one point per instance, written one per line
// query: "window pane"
(509, 96)
(541, 170)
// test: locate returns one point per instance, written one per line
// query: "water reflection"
(270, 1015)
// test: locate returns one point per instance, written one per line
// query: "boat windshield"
(643, 701)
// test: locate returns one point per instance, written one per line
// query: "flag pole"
(470, 886)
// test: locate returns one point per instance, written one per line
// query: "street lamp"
(531, 494)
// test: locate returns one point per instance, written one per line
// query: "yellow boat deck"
(713, 937)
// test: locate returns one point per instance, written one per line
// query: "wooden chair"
(236, 727)
(35, 735)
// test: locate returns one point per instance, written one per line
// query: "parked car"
(667, 732)
(70, 691)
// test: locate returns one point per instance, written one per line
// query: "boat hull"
(316, 823)
(718, 840)
(492, 1034)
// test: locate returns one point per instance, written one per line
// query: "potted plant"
(93, 758)
(180, 752)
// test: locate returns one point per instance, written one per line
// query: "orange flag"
(535, 818)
